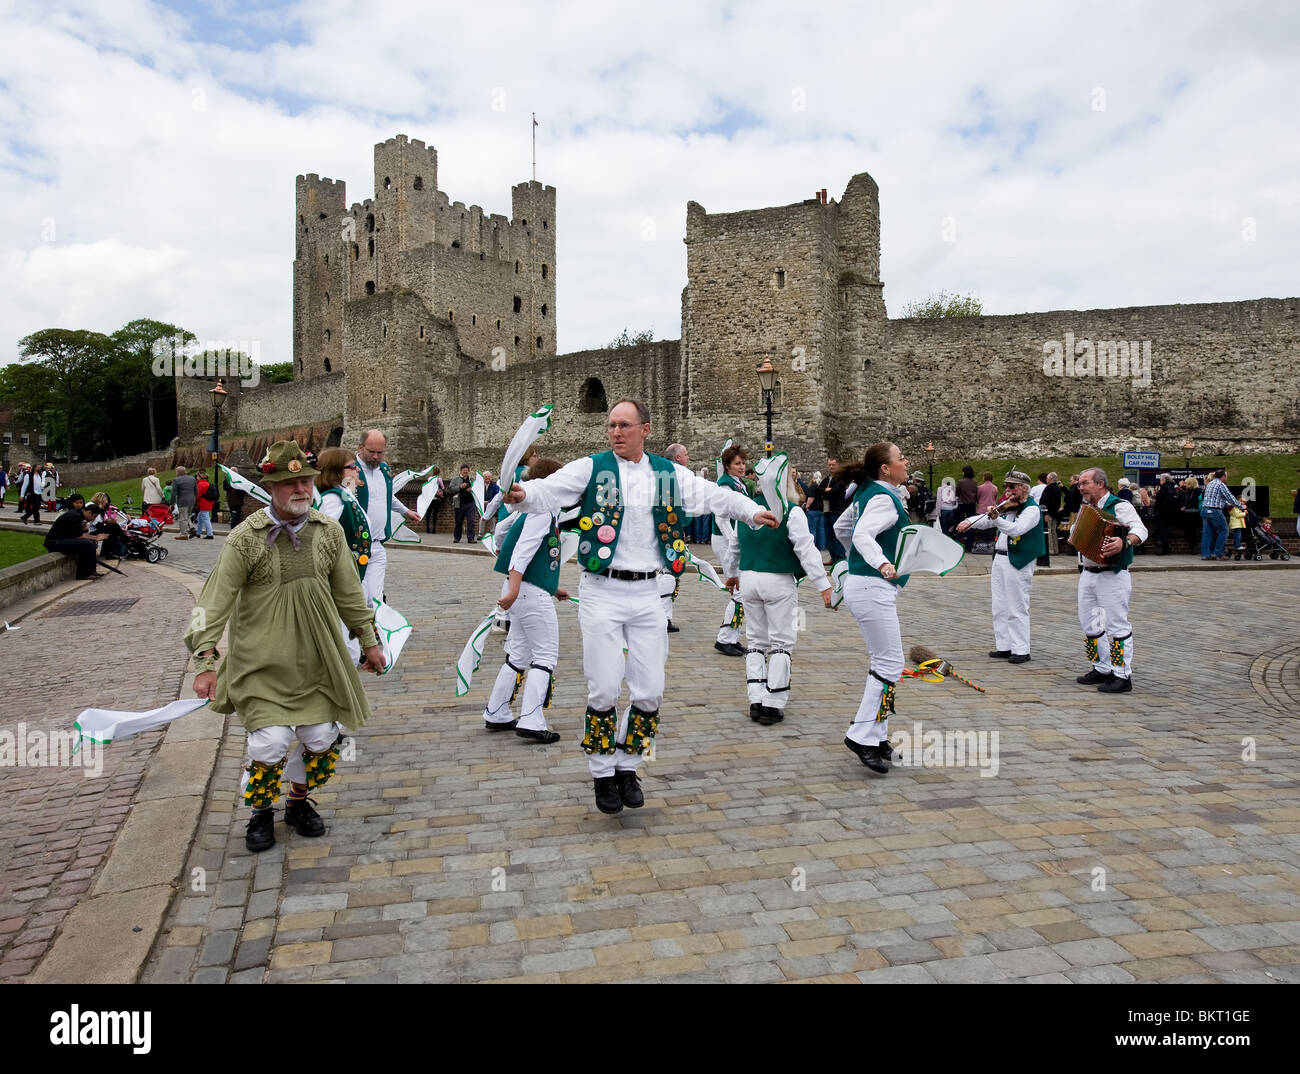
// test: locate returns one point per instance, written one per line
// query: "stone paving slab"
(1122, 838)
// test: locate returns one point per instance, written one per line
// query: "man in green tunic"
(283, 580)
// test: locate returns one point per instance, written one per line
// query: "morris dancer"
(1020, 542)
(633, 524)
(869, 528)
(530, 556)
(765, 564)
(376, 477)
(732, 465)
(339, 471)
(286, 568)
(1104, 591)
(670, 584)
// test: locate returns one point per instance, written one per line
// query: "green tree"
(942, 304)
(629, 339)
(72, 361)
(135, 346)
(277, 373)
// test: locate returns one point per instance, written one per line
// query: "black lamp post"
(929, 454)
(767, 381)
(1187, 454)
(219, 395)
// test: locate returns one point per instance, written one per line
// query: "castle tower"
(319, 275)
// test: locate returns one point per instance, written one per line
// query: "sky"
(1041, 157)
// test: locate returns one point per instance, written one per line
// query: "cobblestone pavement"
(56, 824)
(1147, 836)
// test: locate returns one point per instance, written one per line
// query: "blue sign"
(1141, 460)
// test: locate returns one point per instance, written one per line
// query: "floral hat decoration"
(284, 460)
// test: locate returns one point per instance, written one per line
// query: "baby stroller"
(1260, 538)
(141, 537)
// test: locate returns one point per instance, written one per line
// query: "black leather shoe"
(1116, 685)
(544, 738)
(500, 726)
(261, 831)
(673, 629)
(770, 716)
(304, 820)
(608, 800)
(869, 756)
(629, 789)
(755, 711)
(886, 752)
(1000, 654)
(729, 648)
(1093, 677)
(1018, 658)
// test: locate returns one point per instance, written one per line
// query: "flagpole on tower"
(534, 147)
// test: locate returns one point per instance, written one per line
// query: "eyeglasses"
(351, 466)
(625, 424)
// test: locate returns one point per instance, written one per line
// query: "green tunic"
(286, 664)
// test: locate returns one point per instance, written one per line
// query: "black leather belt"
(628, 576)
(1000, 552)
(1098, 570)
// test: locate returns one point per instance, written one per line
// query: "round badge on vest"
(679, 546)
(678, 564)
(593, 564)
(584, 523)
(584, 547)
(671, 518)
(604, 552)
(597, 518)
(606, 534)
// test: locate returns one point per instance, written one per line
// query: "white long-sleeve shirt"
(376, 509)
(861, 528)
(1024, 522)
(535, 529)
(1126, 513)
(800, 540)
(638, 542)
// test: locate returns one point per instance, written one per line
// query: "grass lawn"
(19, 547)
(1277, 472)
(118, 491)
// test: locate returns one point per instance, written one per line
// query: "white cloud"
(166, 162)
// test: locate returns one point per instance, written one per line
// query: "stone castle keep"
(437, 323)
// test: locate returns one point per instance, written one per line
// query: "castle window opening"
(421, 406)
(323, 216)
(327, 335)
(543, 309)
(327, 365)
(370, 221)
(516, 341)
(780, 278)
(356, 252)
(327, 259)
(455, 244)
(372, 247)
(419, 182)
(539, 343)
(301, 219)
(544, 270)
(384, 404)
(498, 322)
(384, 326)
(388, 183)
(519, 303)
(473, 318)
(370, 287)
(543, 225)
(592, 399)
(421, 331)
(451, 315)
(516, 268)
(525, 223)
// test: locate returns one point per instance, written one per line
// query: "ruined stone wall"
(255, 409)
(1222, 372)
(319, 276)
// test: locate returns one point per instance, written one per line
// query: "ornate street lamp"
(1187, 454)
(219, 395)
(929, 454)
(767, 381)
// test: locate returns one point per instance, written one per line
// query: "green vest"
(769, 551)
(1125, 557)
(888, 540)
(543, 569)
(1026, 548)
(363, 496)
(356, 528)
(726, 481)
(601, 518)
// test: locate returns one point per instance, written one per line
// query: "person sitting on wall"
(67, 535)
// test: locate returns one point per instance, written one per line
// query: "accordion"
(1091, 528)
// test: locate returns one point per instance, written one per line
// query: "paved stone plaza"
(1122, 838)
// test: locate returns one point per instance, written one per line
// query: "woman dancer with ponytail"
(869, 529)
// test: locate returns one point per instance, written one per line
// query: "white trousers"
(771, 627)
(727, 634)
(532, 648)
(1011, 605)
(873, 602)
(1103, 615)
(377, 567)
(667, 587)
(269, 744)
(615, 615)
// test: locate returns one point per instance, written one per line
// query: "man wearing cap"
(283, 579)
(632, 526)
(375, 494)
(1104, 591)
(1019, 522)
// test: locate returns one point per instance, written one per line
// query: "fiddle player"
(1019, 522)
(1105, 588)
